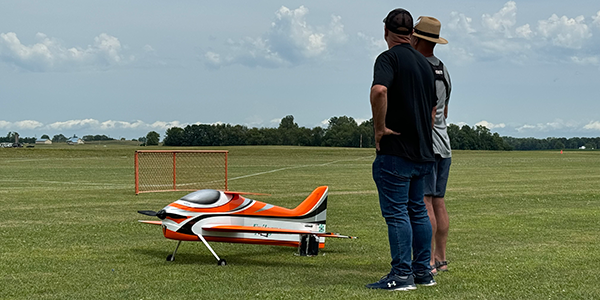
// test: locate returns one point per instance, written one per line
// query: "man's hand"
(380, 134)
(379, 107)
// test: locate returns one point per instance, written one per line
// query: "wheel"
(170, 257)
(222, 262)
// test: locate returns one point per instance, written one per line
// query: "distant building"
(43, 142)
(75, 141)
(5, 145)
(582, 148)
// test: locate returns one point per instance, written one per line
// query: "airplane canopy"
(202, 197)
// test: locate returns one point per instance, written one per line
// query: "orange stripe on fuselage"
(278, 211)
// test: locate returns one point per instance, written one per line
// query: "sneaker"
(425, 279)
(394, 283)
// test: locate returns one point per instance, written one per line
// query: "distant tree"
(342, 132)
(288, 131)
(59, 138)
(174, 137)
(45, 137)
(152, 138)
(367, 133)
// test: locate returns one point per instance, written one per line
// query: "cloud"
(596, 19)
(91, 126)
(490, 125)
(374, 46)
(503, 20)
(565, 32)
(461, 23)
(594, 125)
(586, 60)
(550, 126)
(289, 41)
(49, 54)
(500, 37)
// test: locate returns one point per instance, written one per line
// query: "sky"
(525, 68)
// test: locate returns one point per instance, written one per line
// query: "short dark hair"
(399, 21)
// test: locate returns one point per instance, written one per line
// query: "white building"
(75, 141)
(43, 142)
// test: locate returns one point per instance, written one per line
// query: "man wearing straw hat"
(424, 39)
(403, 104)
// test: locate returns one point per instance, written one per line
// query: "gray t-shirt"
(441, 140)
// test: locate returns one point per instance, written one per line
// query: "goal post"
(180, 170)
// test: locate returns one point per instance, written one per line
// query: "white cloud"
(549, 126)
(500, 37)
(503, 20)
(565, 32)
(460, 23)
(92, 126)
(28, 124)
(596, 19)
(594, 125)
(290, 41)
(49, 54)
(74, 124)
(490, 125)
(524, 32)
(586, 60)
(374, 46)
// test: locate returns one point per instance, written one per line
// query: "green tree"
(174, 137)
(59, 138)
(342, 132)
(152, 138)
(45, 137)
(288, 131)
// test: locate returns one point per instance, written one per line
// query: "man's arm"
(433, 113)
(446, 111)
(379, 109)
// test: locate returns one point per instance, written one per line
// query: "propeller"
(161, 214)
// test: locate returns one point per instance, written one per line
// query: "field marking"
(297, 167)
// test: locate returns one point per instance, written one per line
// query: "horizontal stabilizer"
(151, 222)
(251, 229)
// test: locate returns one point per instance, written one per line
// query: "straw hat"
(428, 28)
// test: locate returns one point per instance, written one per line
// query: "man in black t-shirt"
(403, 102)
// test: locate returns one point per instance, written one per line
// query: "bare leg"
(441, 234)
(432, 218)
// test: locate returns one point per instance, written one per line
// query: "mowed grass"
(524, 225)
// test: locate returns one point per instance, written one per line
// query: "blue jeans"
(400, 185)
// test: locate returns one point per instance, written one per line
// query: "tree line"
(341, 132)
(345, 132)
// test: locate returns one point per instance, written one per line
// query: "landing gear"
(220, 261)
(309, 245)
(171, 257)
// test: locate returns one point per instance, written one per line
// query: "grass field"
(524, 225)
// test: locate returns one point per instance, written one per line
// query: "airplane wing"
(151, 222)
(266, 230)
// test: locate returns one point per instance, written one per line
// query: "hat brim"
(439, 40)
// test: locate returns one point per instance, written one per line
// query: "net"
(180, 170)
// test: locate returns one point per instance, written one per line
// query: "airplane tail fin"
(314, 207)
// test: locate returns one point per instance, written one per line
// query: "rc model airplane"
(225, 216)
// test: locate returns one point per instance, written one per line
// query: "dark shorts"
(435, 182)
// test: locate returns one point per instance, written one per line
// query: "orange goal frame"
(175, 153)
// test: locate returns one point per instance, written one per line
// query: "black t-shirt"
(410, 99)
